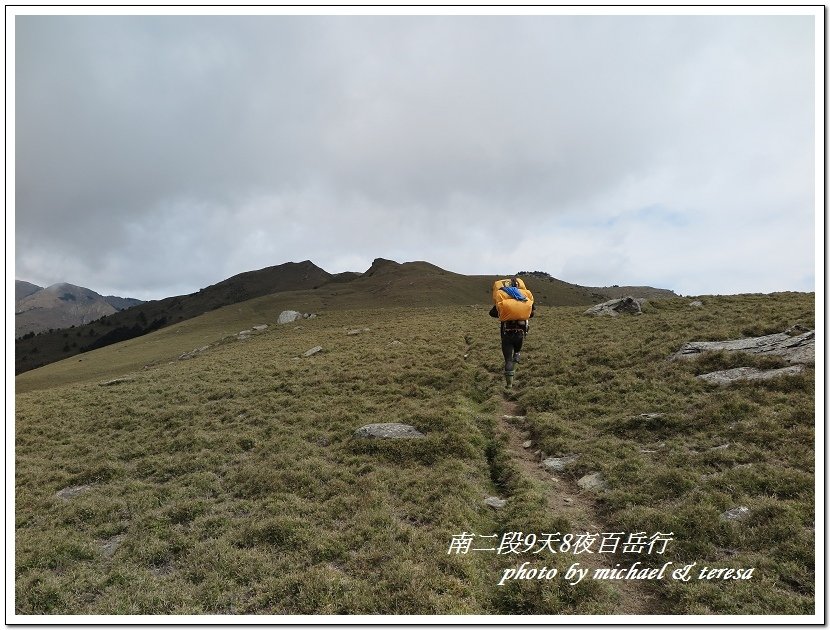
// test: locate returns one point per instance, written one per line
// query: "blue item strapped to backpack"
(514, 293)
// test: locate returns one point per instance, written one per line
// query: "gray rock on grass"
(286, 317)
(726, 377)
(313, 351)
(794, 349)
(193, 353)
(388, 430)
(115, 381)
(739, 513)
(72, 492)
(558, 464)
(626, 305)
(594, 482)
(495, 502)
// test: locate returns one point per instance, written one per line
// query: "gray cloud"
(156, 155)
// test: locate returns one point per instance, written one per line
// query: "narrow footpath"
(565, 497)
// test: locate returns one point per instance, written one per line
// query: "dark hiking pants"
(511, 343)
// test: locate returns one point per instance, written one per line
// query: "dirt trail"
(565, 497)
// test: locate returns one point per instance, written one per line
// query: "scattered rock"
(696, 304)
(514, 418)
(568, 500)
(356, 331)
(71, 493)
(309, 315)
(495, 502)
(260, 327)
(115, 381)
(108, 547)
(594, 481)
(739, 513)
(527, 444)
(798, 349)
(558, 464)
(725, 377)
(193, 353)
(286, 317)
(396, 343)
(393, 430)
(612, 308)
(651, 416)
(313, 351)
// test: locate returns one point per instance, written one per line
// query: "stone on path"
(313, 351)
(260, 327)
(495, 502)
(388, 430)
(527, 444)
(558, 464)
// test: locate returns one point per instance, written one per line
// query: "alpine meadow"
(197, 469)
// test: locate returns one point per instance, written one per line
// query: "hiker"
(514, 306)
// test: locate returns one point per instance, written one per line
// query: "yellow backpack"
(510, 309)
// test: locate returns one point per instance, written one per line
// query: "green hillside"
(232, 482)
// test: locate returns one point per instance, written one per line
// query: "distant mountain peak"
(381, 265)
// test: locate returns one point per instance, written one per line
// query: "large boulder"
(625, 305)
(725, 377)
(286, 317)
(794, 349)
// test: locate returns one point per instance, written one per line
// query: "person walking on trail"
(513, 304)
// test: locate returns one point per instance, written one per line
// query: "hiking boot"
(508, 380)
(517, 358)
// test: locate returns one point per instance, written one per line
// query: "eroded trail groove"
(566, 498)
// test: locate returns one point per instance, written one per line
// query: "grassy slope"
(233, 483)
(386, 282)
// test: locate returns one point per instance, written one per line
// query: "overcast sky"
(158, 155)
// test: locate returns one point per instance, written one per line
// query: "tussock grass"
(676, 452)
(232, 483)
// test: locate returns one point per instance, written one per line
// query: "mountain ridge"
(61, 305)
(384, 283)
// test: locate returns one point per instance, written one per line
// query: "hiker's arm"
(494, 312)
(533, 309)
